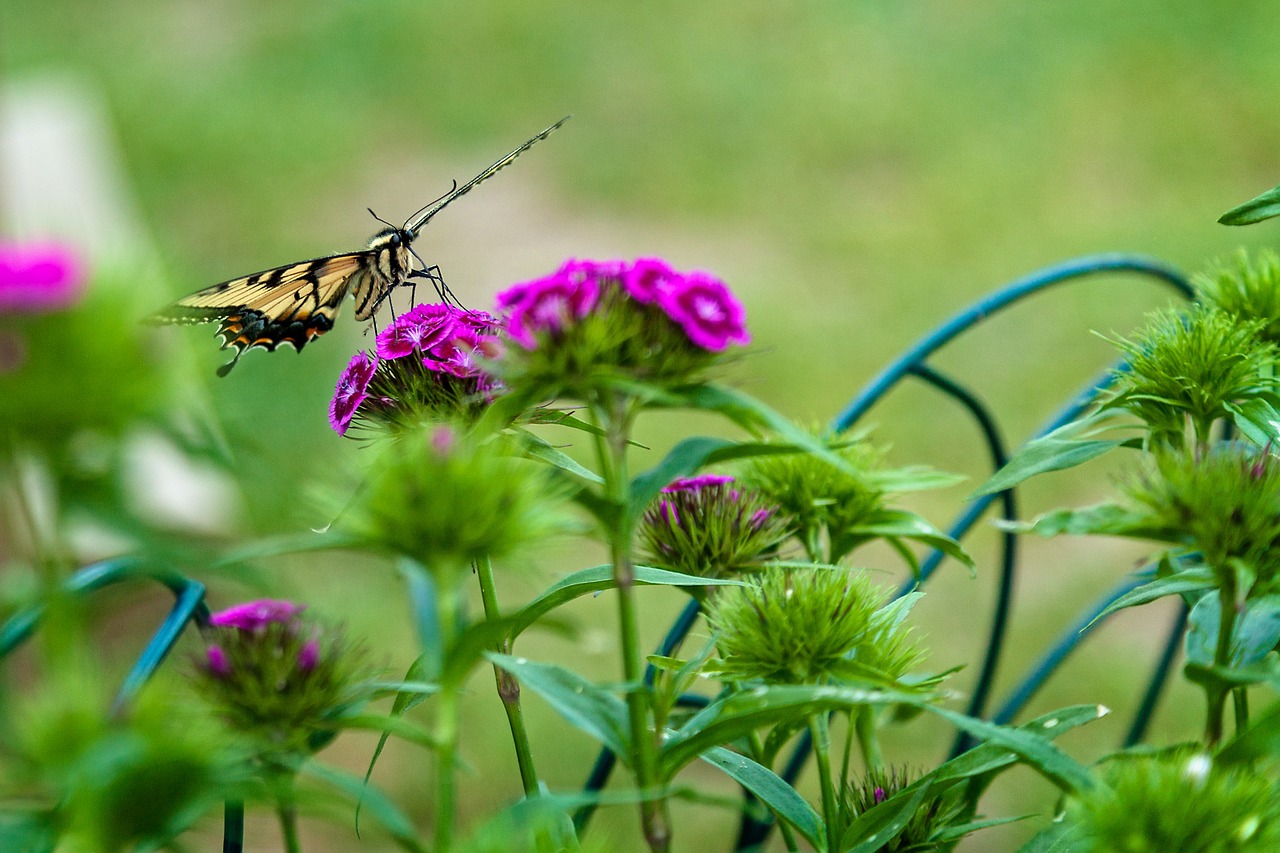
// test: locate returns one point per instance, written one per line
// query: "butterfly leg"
(432, 274)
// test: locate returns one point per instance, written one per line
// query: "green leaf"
(1260, 740)
(1254, 636)
(390, 725)
(386, 812)
(1188, 580)
(593, 710)
(421, 689)
(770, 789)
(536, 447)
(901, 524)
(912, 478)
(586, 581)
(738, 714)
(953, 833)
(1059, 837)
(404, 701)
(1254, 210)
(1256, 419)
(1052, 452)
(275, 546)
(1034, 749)
(1105, 519)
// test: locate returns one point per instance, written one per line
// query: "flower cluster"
(35, 279)
(272, 673)
(707, 526)
(427, 364)
(699, 303)
(642, 318)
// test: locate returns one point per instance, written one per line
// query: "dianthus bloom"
(255, 615)
(429, 360)
(38, 278)
(350, 393)
(593, 322)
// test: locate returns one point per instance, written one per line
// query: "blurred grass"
(856, 171)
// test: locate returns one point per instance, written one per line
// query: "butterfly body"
(298, 302)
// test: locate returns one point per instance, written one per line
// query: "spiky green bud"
(1248, 289)
(1182, 802)
(931, 817)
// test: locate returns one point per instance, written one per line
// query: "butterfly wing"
(286, 305)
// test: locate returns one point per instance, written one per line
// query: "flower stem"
(1240, 702)
(868, 739)
(446, 732)
(820, 729)
(287, 811)
(1215, 693)
(615, 418)
(508, 687)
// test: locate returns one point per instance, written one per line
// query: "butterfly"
(298, 302)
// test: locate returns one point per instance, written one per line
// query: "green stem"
(1240, 702)
(820, 729)
(1215, 694)
(508, 686)
(868, 738)
(615, 419)
(287, 811)
(446, 732)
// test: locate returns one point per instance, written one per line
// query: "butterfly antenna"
(421, 218)
(379, 218)
(428, 204)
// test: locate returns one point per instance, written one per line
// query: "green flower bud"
(1190, 367)
(1249, 290)
(279, 678)
(447, 499)
(1224, 503)
(707, 527)
(931, 817)
(1179, 802)
(791, 626)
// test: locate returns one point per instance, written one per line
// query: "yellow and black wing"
(284, 305)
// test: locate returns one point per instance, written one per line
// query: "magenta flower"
(648, 277)
(707, 311)
(694, 484)
(308, 656)
(255, 615)
(216, 659)
(38, 278)
(457, 355)
(351, 391)
(419, 329)
(548, 304)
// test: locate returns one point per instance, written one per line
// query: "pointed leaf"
(1256, 419)
(1060, 837)
(1105, 519)
(590, 708)
(1056, 451)
(1260, 740)
(899, 523)
(1186, 581)
(538, 448)
(1036, 751)
(422, 599)
(1254, 210)
(390, 725)
(770, 789)
(586, 581)
(394, 821)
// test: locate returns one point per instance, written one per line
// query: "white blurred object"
(61, 173)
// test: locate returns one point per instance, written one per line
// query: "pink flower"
(548, 304)
(217, 661)
(37, 278)
(695, 484)
(254, 615)
(419, 329)
(579, 270)
(707, 311)
(648, 277)
(308, 656)
(350, 393)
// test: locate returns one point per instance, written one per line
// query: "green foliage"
(929, 818)
(1248, 289)
(1177, 802)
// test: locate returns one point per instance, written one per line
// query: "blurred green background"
(856, 170)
